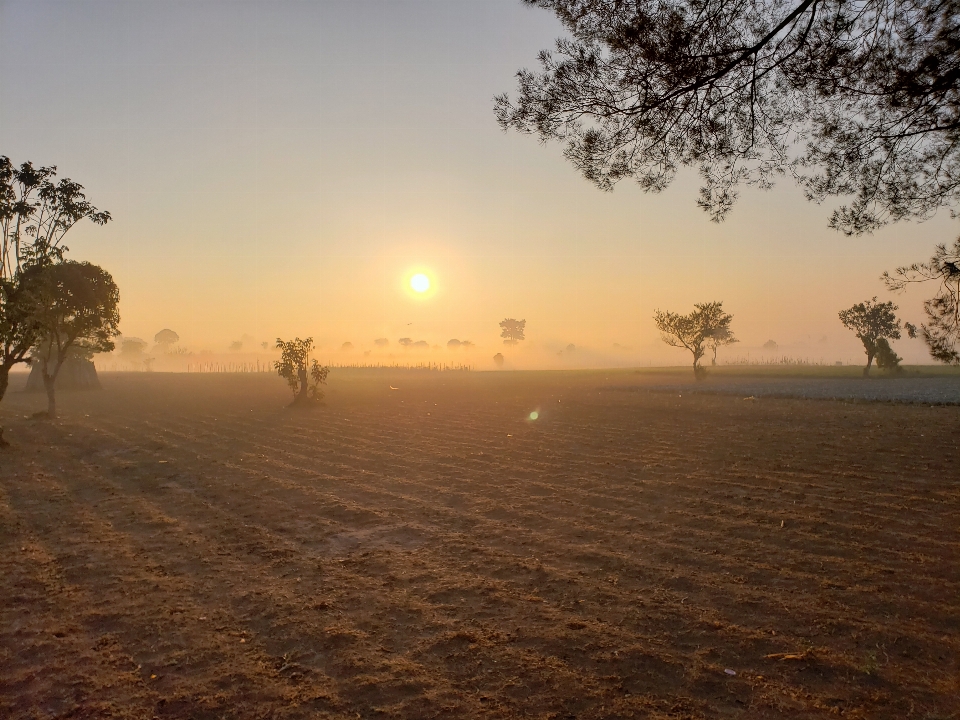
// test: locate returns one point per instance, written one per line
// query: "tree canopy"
(720, 338)
(295, 367)
(941, 332)
(512, 331)
(856, 99)
(76, 309)
(166, 338)
(874, 323)
(36, 212)
(695, 330)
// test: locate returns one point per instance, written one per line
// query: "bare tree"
(874, 323)
(941, 332)
(853, 98)
(695, 330)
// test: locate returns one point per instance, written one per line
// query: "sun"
(420, 283)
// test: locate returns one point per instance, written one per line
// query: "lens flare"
(534, 415)
(420, 283)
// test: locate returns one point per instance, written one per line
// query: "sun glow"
(420, 283)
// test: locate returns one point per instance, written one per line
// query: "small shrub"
(293, 367)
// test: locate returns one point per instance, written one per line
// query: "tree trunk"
(302, 395)
(49, 384)
(4, 381)
(866, 370)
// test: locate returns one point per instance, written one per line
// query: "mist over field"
(282, 169)
(490, 359)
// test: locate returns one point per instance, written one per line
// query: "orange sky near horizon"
(280, 169)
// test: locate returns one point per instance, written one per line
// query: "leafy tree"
(850, 98)
(453, 344)
(236, 346)
(872, 322)
(512, 330)
(719, 339)
(293, 367)
(381, 342)
(941, 332)
(406, 342)
(887, 359)
(76, 306)
(498, 360)
(166, 339)
(771, 345)
(694, 331)
(132, 350)
(36, 212)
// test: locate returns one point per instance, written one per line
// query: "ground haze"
(181, 546)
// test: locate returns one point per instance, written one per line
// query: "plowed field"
(184, 546)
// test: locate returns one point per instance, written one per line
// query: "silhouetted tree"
(466, 344)
(512, 330)
(132, 351)
(76, 307)
(35, 214)
(770, 346)
(693, 331)
(872, 321)
(719, 339)
(296, 368)
(381, 342)
(498, 360)
(941, 332)
(453, 344)
(236, 346)
(166, 339)
(850, 98)
(406, 342)
(887, 359)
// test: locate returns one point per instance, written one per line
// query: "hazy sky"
(281, 168)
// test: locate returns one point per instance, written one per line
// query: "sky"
(283, 168)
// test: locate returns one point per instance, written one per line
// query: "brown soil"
(184, 546)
